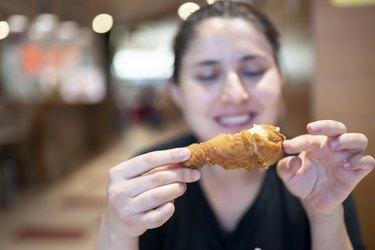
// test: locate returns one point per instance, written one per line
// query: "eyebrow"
(206, 63)
(212, 62)
(250, 57)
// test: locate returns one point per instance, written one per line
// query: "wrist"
(114, 236)
(327, 226)
(319, 216)
(115, 240)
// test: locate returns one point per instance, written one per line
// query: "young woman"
(226, 79)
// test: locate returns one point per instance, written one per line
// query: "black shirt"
(276, 220)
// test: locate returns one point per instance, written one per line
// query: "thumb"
(288, 167)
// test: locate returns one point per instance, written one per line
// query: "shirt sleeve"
(152, 239)
(352, 224)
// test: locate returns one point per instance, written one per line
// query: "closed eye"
(208, 78)
(253, 73)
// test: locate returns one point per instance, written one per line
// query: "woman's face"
(229, 79)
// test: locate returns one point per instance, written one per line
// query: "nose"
(233, 90)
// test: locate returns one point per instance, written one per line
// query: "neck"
(229, 177)
(230, 193)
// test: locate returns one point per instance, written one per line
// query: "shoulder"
(182, 141)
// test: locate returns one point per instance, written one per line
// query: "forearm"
(329, 232)
(108, 239)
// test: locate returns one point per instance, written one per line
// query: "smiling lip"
(236, 121)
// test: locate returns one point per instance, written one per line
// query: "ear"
(175, 93)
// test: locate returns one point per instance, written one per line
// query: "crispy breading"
(241, 150)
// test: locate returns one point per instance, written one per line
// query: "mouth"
(241, 120)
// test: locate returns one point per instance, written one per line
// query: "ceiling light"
(17, 23)
(187, 9)
(348, 3)
(46, 22)
(102, 23)
(67, 30)
(211, 1)
(4, 29)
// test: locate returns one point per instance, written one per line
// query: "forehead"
(219, 36)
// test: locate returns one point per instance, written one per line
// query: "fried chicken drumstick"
(260, 146)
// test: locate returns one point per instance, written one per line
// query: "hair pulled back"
(225, 9)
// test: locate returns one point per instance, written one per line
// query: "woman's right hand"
(141, 191)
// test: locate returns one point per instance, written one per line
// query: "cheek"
(269, 89)
(197, 98)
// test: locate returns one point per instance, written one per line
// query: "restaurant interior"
(83, 87)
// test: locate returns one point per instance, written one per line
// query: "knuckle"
(336, 124)
(126, 218)
(158, 179)
(112, 173)
(158, 196)
(123, 213)
(150, 158)
(117, 197)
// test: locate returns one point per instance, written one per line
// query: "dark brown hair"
(225, 9)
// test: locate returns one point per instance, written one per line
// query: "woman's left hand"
(329, 165)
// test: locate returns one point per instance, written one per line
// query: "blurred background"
(83, 87)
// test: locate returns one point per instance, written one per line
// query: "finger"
(360, 162)
(165, 167)
(288, 167)
(143, 163)
(303, 143)
(157, 217)
(349, 141)
(326, 127)
(161, 178)
(154, 198)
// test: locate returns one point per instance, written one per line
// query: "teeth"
(234, 120)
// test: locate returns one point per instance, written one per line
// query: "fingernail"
(184, 153)
(196, 175)
(295, 162)
(312, 127)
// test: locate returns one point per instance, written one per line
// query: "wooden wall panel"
(344, 84)
(346, 57)
(345, 97)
